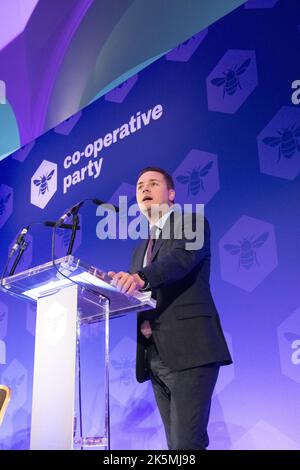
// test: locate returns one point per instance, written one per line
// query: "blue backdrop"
(219, 110)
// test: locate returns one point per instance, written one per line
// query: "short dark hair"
(168, 178)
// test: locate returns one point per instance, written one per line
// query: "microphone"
(50, 223)
(18, 241)
(73, 210)
(98, 202)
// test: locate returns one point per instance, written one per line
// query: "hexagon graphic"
(279, 144)
(289, 346)
(2, 352)
(260, 3)
(3, 319)
(231, 81)
(6, 203)
(248, 253)
(43, 184)
(125, 189)
(23, 152)
(15, 377)
(55, 323)
(63, 237)
(264, 436)
(68, 125)
(184, 51)
(226, 374)
(196, 178)
(26, 258)
(31, 317)
(124, 387)
(148, 431)
(118, 94)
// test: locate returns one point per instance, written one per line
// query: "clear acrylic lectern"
(69, 295)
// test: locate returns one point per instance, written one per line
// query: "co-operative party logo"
(43, 184)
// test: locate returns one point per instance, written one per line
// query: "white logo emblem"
(43, 184)
(55, 323)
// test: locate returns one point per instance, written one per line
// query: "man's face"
(152, 189)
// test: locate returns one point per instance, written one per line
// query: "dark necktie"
(145, 326)
(151, 243)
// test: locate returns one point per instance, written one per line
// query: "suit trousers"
(183, 399)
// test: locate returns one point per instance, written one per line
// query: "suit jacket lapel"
(140, 254)
(165, 233)
(156, 248)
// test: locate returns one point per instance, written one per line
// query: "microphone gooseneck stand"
(75, 226)
(22, 248)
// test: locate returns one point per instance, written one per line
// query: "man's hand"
(125, 282)
(146, 329)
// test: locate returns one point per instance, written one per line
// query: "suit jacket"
(185, 325)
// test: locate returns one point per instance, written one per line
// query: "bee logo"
(125, 366)
(287, 142)
(54, 321)
(231, 79)
(246, 250)
(3, 202)
(194, 179)
(42, 182)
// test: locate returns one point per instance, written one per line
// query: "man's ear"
(171, 195)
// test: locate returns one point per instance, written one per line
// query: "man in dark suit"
(180, 345)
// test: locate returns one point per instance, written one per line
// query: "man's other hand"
(125, 282)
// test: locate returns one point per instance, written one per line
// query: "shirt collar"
(161, 222)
